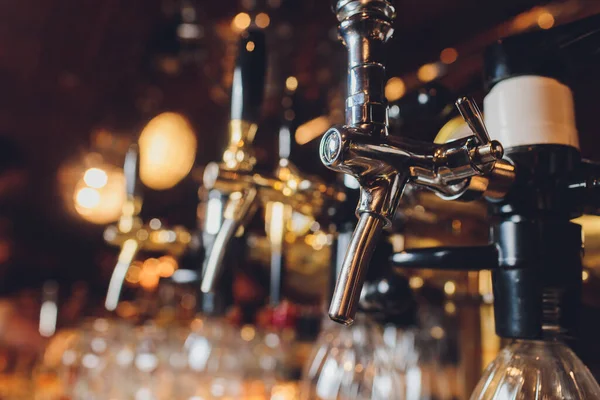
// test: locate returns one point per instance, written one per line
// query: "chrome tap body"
(385, 164)
(235, 176)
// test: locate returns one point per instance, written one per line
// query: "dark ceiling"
(68, 67)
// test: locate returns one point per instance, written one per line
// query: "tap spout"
(126, 256)
(352, 274)
(238, 210)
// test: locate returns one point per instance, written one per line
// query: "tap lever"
(488, 151)
(472, 115)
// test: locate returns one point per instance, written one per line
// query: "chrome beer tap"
(385, 164)
(235, 176)
(229, 178)
(132, 235)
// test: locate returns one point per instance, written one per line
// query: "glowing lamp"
(167, 151)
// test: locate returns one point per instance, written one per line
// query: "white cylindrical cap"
(531, 110)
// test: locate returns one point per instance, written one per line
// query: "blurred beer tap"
(230, 181)
(384, 164)
(132, 235)
(235, 177)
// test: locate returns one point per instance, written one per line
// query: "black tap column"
(529, 108)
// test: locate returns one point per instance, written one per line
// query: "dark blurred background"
(81, 78)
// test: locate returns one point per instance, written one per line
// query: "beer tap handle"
(488, 151)
(473, 117)
(249, 77)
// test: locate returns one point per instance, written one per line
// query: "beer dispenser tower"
(535, 182)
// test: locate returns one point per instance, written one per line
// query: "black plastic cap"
(550, 53)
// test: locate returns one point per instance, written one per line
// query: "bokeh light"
(545, 20)
(448, 55)
(394, 89)
(95, 178)
(240, 22)
(99, 195)
(291, 83)
(262, 20)
(428, 72)
(167, 151)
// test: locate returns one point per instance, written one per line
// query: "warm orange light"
(428, 72)
(133, 273)
(448, 55)
(262, 20)
(585, 275)
(437, 332)
(87, 198)
(95, 178)
(166, 266)
(416, 282)
(149, 280)
(167, 151)
(248, 333)
(99, 195)
(150, 266)
(450, 288)
(126, 309)
(240, 22)
(527, 19)
(312, 129)
(250, 46)
(291, 83)
(545, 20)
(394, 89)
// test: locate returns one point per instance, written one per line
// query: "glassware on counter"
(215, 361)
(350, 363)
(94, 357)
(535, 370)
(367, 361)
(416, 356)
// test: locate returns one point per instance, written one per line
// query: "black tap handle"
(554, 53)
(249, 77)
(470, 258)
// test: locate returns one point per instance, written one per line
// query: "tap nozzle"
(352, 274)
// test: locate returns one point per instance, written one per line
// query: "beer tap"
(224, 179)
(132, 235)
(535, 250)
(235, 176)
(385, 164)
